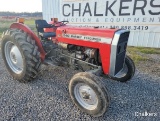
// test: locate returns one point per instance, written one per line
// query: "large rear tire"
(89, 94)
(20, 55)
(128, 71)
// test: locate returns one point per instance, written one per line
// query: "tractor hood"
(87, 34)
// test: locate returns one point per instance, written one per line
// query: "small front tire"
(89, 94)
(128, 71)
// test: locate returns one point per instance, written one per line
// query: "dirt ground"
(151, 66)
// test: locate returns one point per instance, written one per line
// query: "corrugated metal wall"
(51, 8)
(144, 39)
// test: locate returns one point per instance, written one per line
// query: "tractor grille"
(118, 51)
(121, 51)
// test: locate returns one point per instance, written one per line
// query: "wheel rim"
(13, 57)
(123, 72)
(86, 96)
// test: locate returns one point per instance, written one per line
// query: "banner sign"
(135, 15)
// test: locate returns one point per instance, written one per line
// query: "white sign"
(135, 15)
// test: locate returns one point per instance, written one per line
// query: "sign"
(134, 15)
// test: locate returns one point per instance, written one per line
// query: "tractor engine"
(78, 57)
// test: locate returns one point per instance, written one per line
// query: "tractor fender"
(33, 35)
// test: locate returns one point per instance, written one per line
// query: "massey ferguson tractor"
(93, 51)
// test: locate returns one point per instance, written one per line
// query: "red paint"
(104, 48)
(33, 35)
(50, 29)
(54, 28)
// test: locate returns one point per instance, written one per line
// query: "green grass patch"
(31, 24)
(3, 30)
(137, 58)
(135, 54)
(29, 21)
(149, 50)
(145, 50)
(5, 24)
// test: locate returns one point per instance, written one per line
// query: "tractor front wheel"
(128, 71)
(20, 55)
(89, 94)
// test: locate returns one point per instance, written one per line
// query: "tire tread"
(30, 52)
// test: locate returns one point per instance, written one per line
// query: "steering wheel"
(61, 23)
(65, 22)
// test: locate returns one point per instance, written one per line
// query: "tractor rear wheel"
(89, 94)
(128, 71)
(20, 55)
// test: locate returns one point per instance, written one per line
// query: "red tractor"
(94, 51)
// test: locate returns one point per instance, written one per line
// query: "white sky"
(21, 5)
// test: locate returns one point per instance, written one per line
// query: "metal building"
(142, 18)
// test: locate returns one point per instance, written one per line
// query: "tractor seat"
(40, 25)
(47, 34)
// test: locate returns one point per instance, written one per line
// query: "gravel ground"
(151, 66)
(47, 98)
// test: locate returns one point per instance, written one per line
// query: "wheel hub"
(14, 57)
(86, 96)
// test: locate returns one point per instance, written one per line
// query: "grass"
(31, 24)
(137, 58)
(30, 21)
(149, 50)
(2, 30)
(5, 24)
(140, 53)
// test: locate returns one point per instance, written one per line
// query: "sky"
(21, 5)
